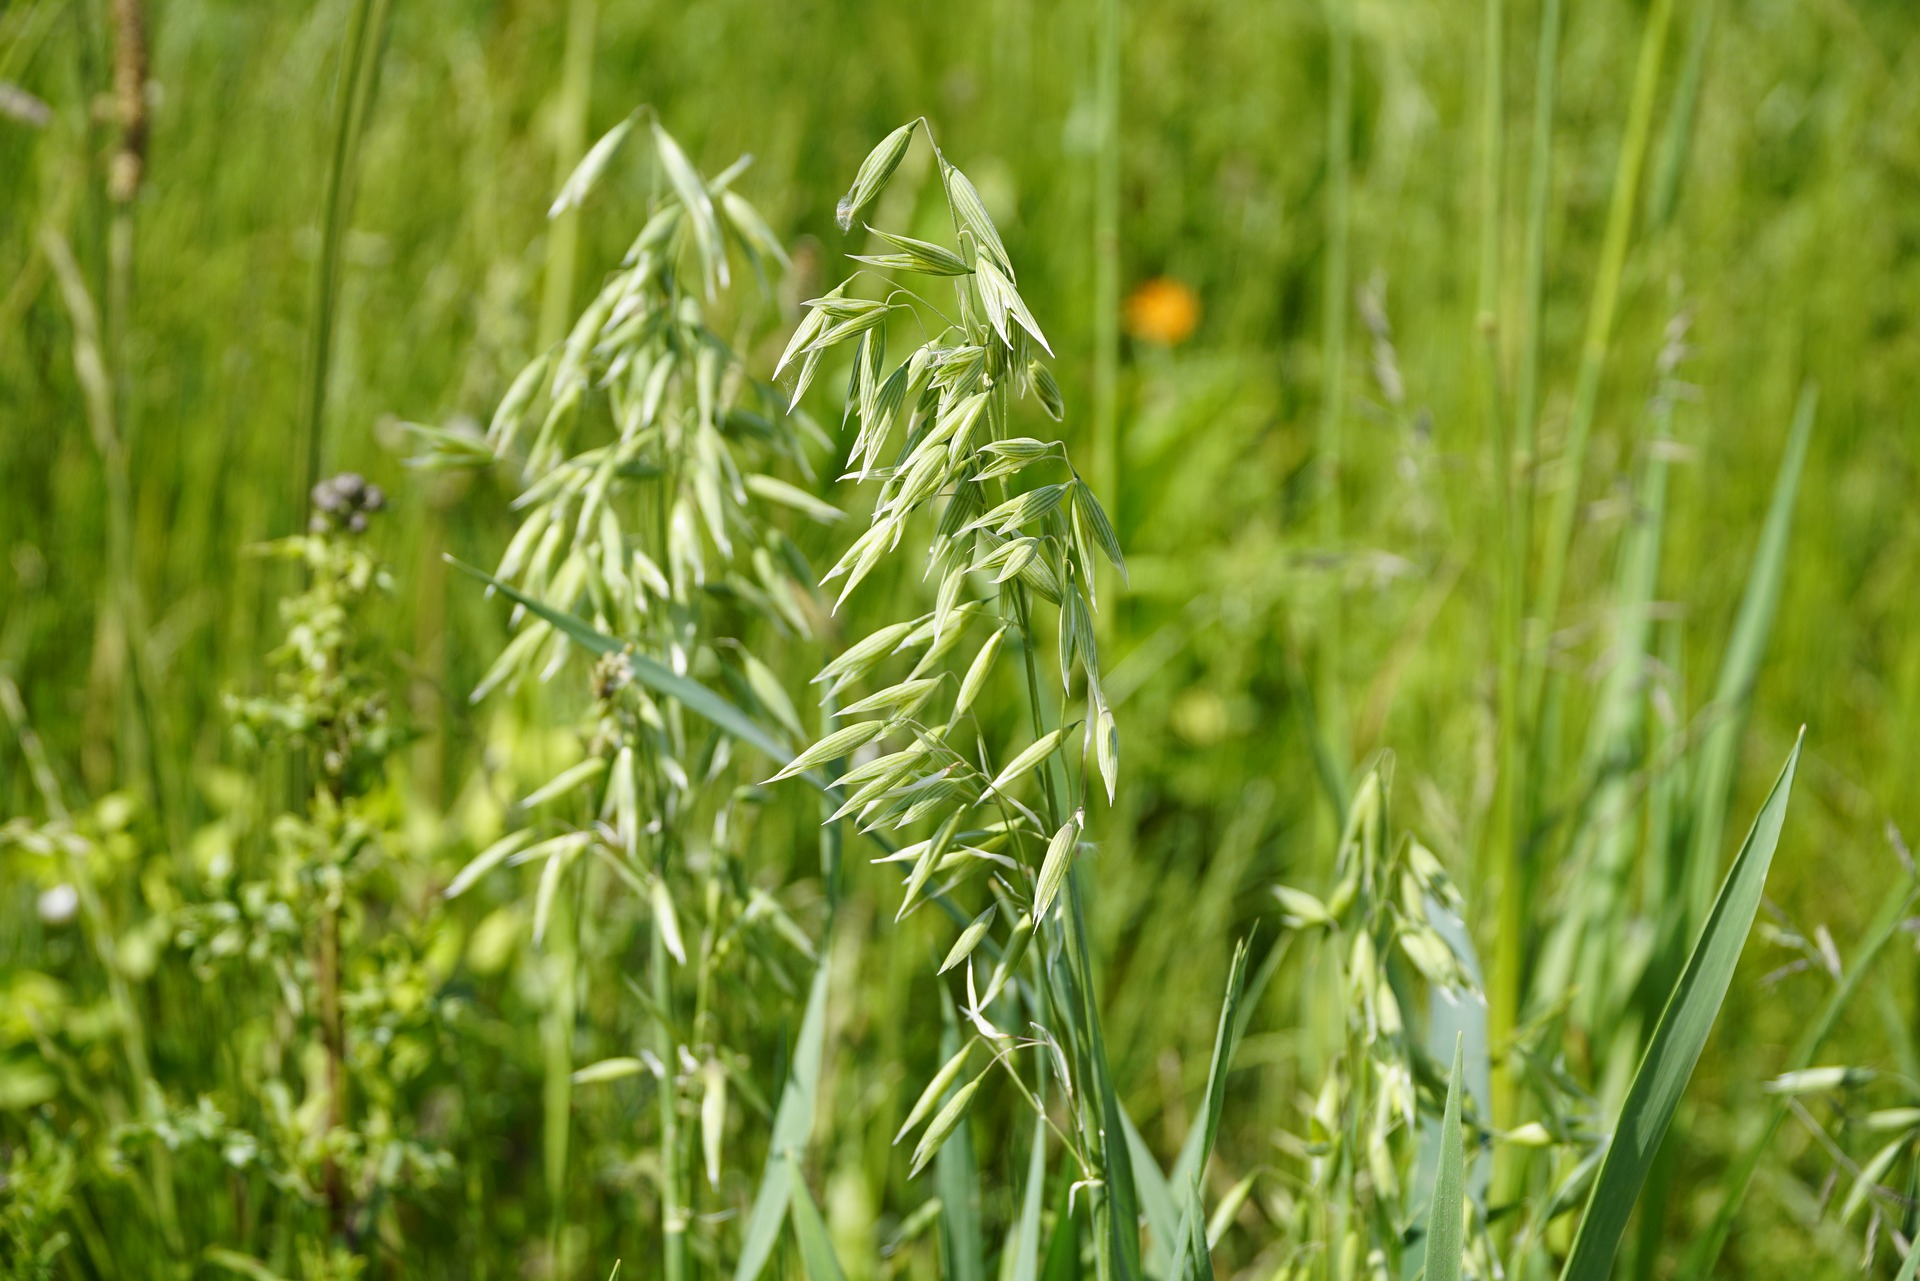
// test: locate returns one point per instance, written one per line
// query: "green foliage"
(311, 965)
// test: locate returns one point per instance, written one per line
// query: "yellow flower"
(1163, 310)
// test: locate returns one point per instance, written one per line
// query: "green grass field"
(1510, 417)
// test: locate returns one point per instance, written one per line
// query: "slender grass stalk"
(1508, 979)
(333, 1040)
(556, 1092)
(1526, 407)
(1516, 718)
(1663, 197)
(121, 598)
(1333, 408)
(1599, 334)
(570, 143)
(1486, 343)
(360, 51)
(563, 240)
(126, 168)
(1106, 250)
(673, 1203)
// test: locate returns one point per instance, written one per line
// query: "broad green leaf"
(1446, 1225)
(1677, 1042)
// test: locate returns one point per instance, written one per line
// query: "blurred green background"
(1780, 212)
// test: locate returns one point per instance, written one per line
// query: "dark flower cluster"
(341, 504)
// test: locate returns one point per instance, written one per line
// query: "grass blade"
(1063, 1248)
(1706, 1248)
(1192, 1163)
(816, 1248)
(1740, 668)
(1156, 1200)
(957, 1176)
(1445, 1225)
(1195, 1261)
(1026, 1246)
(1677, 1041)
(792, 1122)
(655, 676)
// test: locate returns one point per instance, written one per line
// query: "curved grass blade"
(1911, 1266)
(1740, 668)
(792, 1122)
(1026, 1246)
(1156, 1200)
(655, 676)
(1195, 1261)
(1677, 1041)
(1706, 1248)
(1446, 1242)
(816, 1248)
(1192, 1259)
(1198, 1147)
(956, 1173)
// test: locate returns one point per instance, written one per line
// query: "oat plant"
(1006, 533)
(645, 459)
